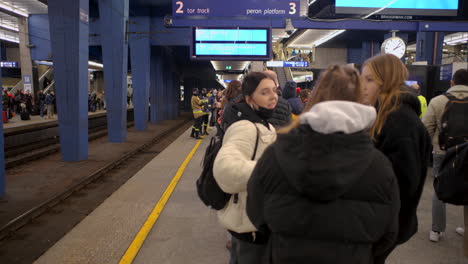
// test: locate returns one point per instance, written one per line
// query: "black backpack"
(207, 188)
(451, 183)
(454, 122)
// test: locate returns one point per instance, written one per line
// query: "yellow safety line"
(136, 244)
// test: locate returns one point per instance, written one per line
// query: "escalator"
(49, 74)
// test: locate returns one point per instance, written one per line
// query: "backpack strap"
(450, 97)
(256, 142)
(453, 98)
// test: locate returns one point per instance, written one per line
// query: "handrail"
(49, 72)
(52, 84)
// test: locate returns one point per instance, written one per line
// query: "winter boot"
(193, 133)
(197, 135)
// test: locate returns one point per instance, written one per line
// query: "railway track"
(9, 230)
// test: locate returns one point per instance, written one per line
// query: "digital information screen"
(399, 7)
(292, 64)
(237, 44)
(9, 64)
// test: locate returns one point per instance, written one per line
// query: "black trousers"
(198, 124)
(205, 122)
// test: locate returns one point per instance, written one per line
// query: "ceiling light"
(10, 27)
(95, 64)
(328, 37)
(14, 10)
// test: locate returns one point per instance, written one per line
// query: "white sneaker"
(435, 236)
(460, 231)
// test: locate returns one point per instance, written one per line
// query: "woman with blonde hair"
(398, 133)
(325, 193)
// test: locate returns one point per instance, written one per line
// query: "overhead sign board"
(292, 64)
(398, 7)
(231, 43)
(253, 8)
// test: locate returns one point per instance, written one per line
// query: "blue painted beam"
(140, 52)
(69, 31)
(452, 26)
(2, 151)
(228, 22)
(311, 24)
(114, 18)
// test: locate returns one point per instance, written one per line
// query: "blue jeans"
(41, 109)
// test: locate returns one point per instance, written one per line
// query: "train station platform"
(15, 123)
(185, 231)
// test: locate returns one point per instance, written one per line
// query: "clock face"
(395, 46)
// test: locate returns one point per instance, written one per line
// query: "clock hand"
(397, 47)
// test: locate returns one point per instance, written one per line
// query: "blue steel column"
(2, 151)
(114, 18)
(166, 84)
(176, 79)
(160, 85)
(153, 94)
(189, 84)
(140, 52)
(170, 93)
(69, 34)
(157, 84)
(369, 49)
(429, 47)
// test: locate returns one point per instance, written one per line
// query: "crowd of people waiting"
(332, 175)
(44, 104)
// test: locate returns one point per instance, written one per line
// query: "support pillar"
(189, 84)
(114, 20)
(153, 77)
(176, 95)
(169, 95)
(369, 49)
(157, 85)
(140, 52)
(2, 152)
(69, 33)
(25, 56)
(429, 47)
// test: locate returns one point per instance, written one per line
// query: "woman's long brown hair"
(390, 74)
(336, 83)
(233, 90)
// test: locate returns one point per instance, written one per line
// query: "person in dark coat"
(282, 114)
(289, 93)
(399, 134)
(41, 97)
(325, 193)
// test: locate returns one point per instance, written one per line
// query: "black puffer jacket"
(289, 93)
(328, 199)
(406, 143)
(282, 114)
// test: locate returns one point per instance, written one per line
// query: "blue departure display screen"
(238, 43)
(399, 7)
